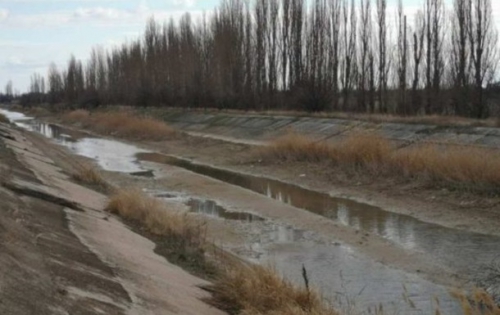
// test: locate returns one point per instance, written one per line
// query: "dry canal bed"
(352, 251)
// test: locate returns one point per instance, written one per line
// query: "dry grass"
(88, 174)
(151, 213)
(479, 303)
(459, 166)
(360, 150)
(295, 147)
(257, 290)
(76, 116)
(4, 119)
(469, 168)
(178, 238)
(121, 124)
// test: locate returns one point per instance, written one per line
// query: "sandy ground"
(64, 255)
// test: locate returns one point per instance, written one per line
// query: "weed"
(90, 175)
(123, 124)
(4, 119)
(459, 167)
(178, 238)
(251, 289)
(76, 116)
(471, 168)
(295, 147)
(479, 303)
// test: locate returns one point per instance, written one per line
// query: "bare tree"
(335, 24)
(9, 92)
(383, 68)
(55, 82)
(434, 16)
(402, 53)
(418, 50)
(349, 33)
(460, 56)
(298, 17)
(364, 51)
(483, 39)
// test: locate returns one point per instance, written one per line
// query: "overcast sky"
(35, 32)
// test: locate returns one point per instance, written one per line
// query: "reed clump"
(469, 168)
(121, 124)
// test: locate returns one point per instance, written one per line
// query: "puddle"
(14, 116)
(458, 249)
(212, 209)
(111, 155)
(206, 207)
(343, 278)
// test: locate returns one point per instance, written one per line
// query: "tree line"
(318, 55)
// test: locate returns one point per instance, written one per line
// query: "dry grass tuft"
(295, 147)
(178, 237)
(363, 150)
(90, 175)
(4, 119)
(468, 168)
(76, 116)
(358, 150)
(152, 213)
(459, 166)
(257, 290)
(479, 303)
(123, 124)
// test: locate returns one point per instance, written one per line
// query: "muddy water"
(336, 269)
(458, 249)
(111, 155)
(206, 207)
(14, 116)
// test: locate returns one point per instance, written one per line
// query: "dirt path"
(65, 255)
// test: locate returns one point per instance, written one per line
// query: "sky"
(34, 33)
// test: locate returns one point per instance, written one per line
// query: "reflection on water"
(206, 207)
(14, 116)
(459, 249)
(343, 277)
(211, 208)
(285, 234)
(111, 155)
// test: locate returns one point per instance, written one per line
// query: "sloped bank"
(264, 128)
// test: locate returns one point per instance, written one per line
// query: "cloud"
(92, 16)
(184, 3)
(100, 13)
(48, 1)
(4, 13)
